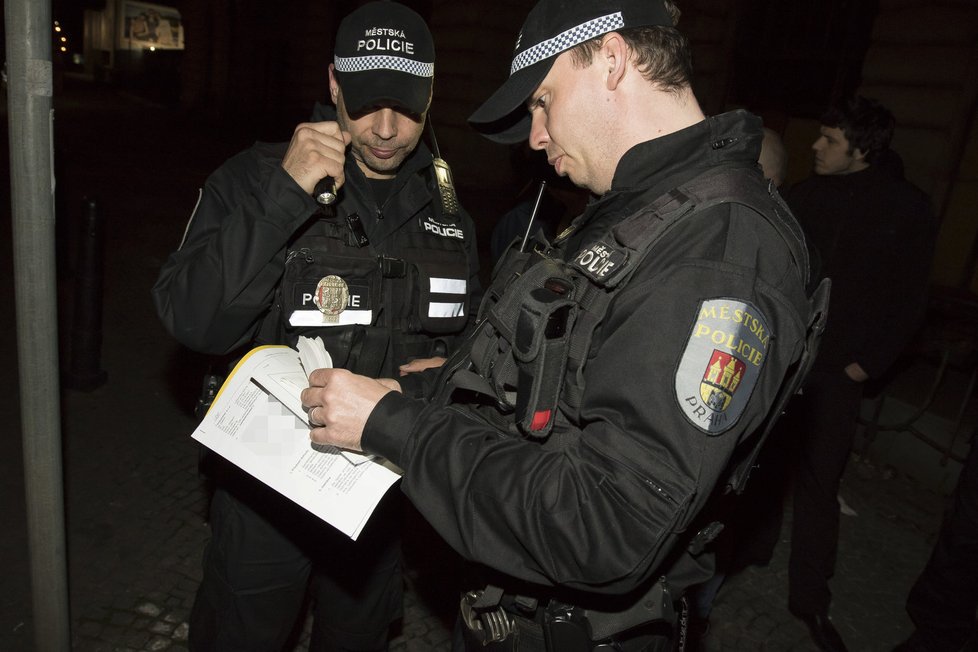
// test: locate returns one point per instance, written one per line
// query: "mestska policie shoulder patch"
(721, 363)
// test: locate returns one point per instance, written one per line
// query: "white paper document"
(257, 423)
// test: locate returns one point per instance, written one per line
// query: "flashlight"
(325, 191)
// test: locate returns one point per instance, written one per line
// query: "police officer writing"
(385, 275)
(617, 377)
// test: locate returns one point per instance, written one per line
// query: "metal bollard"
(84, 371)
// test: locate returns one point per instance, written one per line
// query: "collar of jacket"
(656, 166)
(869, 180)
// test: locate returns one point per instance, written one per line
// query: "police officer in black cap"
(618, 377)
(385, 273)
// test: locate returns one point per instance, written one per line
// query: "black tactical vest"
(404, 299)
(538, 318)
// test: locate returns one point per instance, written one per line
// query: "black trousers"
(943, 601)
(266, 552)
(827, 412)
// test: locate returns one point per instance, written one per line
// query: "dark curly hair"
(867, 124)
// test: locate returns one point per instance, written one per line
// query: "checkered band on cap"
(566, 40)
(381, 62)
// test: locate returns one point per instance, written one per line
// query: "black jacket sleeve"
(212, 293)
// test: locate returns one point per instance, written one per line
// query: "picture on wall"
(150, 26)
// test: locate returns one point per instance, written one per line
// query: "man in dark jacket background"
(873, 234)
(572, 445)
(263, 263)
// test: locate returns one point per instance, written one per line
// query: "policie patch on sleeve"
(721, 363)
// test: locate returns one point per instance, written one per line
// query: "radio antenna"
(533, 215)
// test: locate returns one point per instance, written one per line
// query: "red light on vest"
(540, 420)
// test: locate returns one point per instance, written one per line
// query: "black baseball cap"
(384, 53)
(552, 27)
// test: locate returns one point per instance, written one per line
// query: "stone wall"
(923, 65)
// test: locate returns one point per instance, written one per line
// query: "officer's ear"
(334, 87)
(613, 54)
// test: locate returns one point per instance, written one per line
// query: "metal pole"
(30, 122)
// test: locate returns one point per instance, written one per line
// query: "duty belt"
(496, 621)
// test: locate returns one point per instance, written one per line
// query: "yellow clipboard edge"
(238, 366)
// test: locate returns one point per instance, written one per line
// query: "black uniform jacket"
(874, 235)
(599, 515)
(218, 291)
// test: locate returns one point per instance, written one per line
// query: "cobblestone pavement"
(135, 503)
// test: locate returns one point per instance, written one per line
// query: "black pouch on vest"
(441, 287)
(542, 335)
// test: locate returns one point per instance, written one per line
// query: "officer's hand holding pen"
(317, 150)
(339, 402)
